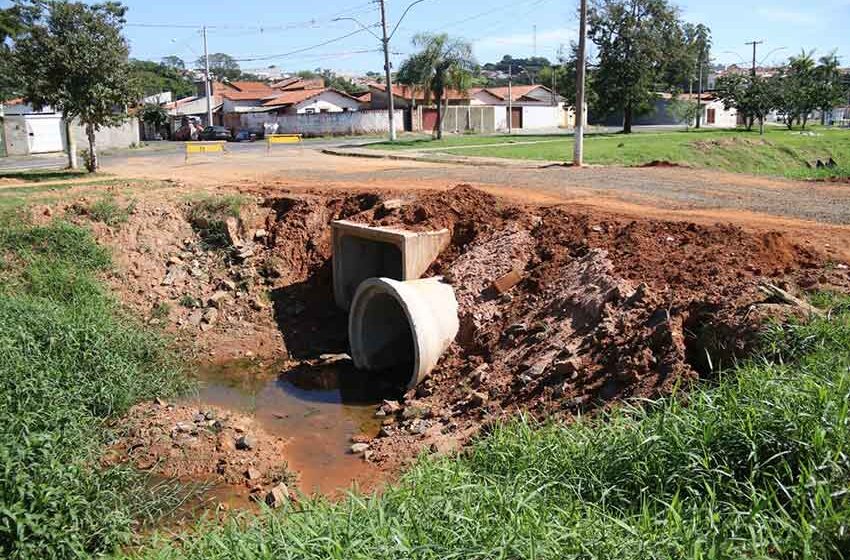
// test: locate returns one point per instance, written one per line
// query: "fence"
(324, 124)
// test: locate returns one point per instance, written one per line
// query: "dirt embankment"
(589, 309)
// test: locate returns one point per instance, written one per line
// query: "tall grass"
(754, 466)
(70, 360)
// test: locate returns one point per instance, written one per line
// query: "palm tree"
(442, 63)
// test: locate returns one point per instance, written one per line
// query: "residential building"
(27, 130)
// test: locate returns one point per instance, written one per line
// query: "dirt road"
(816, 212)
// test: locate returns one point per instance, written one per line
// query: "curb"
(417, 156)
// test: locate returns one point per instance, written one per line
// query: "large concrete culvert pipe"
(402, 326)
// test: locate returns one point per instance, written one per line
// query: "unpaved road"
(816, 212)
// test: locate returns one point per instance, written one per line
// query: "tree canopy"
(73, 58)
(643, 48)
(153, 78)
(442, 63)
(222, 66)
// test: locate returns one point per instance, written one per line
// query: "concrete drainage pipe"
(403, 326)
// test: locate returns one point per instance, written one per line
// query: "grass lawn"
(779, 152)
(70, 359)
(752, 465)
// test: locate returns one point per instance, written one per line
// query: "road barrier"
(204, 148)
(281, 139)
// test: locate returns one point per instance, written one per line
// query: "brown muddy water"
(317, 409)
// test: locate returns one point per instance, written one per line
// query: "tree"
(174, 62)
(13, 22)
(222, 67)
(442, 63)
(684, 110)
(154, 115)
(153, 78)
(635, 39)
(73, 58)
(829, 89)
(752, 96)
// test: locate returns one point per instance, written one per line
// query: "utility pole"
(754, 43)
(386, 43)
(510, 99)
(699, 91)
(207, 79)
(578, 145)
(534, 29)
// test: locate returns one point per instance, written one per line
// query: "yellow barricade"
(281, 139)
(204, 148)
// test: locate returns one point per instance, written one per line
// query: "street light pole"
(386, 42)
(578, 145)
(510, 99)
(207, 79)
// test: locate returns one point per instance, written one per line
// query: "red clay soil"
(606, 309)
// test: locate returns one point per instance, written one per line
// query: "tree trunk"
(72, 146)
(823, 117)
(440, 116)
(805, 120)
(627, 118)
(761, 125)
(92, 163)
(750, 122)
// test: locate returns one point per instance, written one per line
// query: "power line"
(300, 50)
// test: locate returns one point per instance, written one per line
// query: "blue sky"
(252, 29)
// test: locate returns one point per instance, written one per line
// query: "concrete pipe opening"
(402, 328)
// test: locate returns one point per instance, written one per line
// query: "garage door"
(44, 133)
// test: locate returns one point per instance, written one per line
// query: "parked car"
(215, 133)
(245, 136)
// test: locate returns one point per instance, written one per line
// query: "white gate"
(44, 133)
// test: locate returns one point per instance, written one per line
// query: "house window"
(309, 111)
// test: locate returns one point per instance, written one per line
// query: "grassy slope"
(779, 152)
(754, 466)
(69, 360)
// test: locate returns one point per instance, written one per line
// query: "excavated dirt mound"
(588, 309)
(604, 309)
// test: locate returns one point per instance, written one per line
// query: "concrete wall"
(18, 142)
(464, 118)
(15, 133)
(324, 124)
(121, 136)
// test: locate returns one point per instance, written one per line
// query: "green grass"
(779, 152)
(70, 360)
(754, 465)
(40, 176)
(105, 209)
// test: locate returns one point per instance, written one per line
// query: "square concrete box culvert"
(361, 252)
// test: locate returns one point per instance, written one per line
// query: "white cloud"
(785, 15)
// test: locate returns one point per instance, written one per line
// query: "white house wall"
(329, 102)
(541, 116)
(322, 124)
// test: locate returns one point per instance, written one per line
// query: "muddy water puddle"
(316, 409)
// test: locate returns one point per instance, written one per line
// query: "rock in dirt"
(252, 474)
(277, 496)
(507, 281)
(246, 443)
(334, 358)
(357, 448)
(477, 398)
(390, 407)
(217, 299)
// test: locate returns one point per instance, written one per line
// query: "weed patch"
(208, 217)
(70, 361)
(105, 209)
